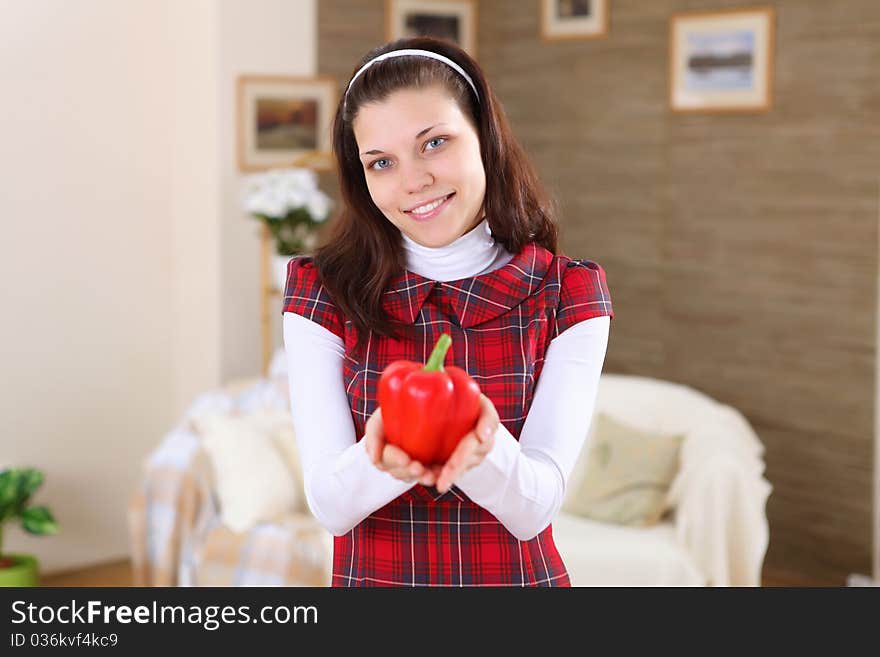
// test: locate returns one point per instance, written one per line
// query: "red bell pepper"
(428, 410)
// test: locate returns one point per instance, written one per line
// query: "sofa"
(714, 529)
(220, 502)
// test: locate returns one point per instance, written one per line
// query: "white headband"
(418, 53)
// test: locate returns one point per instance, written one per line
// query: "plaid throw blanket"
(175, 529)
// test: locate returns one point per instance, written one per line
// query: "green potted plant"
(292, 206)
(17, 485)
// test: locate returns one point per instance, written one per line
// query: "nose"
(417, 178)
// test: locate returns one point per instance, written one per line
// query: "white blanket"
(720, 493)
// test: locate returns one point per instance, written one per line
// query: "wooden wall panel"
(741, 251)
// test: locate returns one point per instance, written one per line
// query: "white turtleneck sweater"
(522, 483)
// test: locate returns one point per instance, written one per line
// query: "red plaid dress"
(501, 324)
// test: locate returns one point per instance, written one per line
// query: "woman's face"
(417, 148)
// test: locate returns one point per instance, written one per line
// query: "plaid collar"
(476, 299)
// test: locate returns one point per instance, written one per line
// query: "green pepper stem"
(435, 362)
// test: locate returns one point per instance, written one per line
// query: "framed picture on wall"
(574, 19)
(454, 20)
(721, 61)
(285, 121)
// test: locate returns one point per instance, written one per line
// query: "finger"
(465, 450)
(374, 434)
(486, 430)
(460, 459)
(410, 473)
(379, 431)
(488, 422)
(485, 446)
(430, 475)
(394, 457)
(373, 446)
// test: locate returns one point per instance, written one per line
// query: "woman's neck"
(472, 254)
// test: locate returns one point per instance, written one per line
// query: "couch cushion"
(600, 554)
(251, 477)
(279, 425)
(627, 474)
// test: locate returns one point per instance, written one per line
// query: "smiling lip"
(433, 213)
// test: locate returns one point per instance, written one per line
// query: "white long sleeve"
(521, 483)
(342, 485)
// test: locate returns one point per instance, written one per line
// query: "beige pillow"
(251, 475)
(279, 425)
(627, 474)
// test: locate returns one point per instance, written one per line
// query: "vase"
(23, 572)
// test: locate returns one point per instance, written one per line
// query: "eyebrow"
(422, 133)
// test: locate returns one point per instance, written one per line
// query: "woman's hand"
(470, 452)
(392, 459)
(472, 449)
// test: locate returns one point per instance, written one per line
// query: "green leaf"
(16, 487)
(8, 488)
(38, 520)
(32, 479)
(27, 481)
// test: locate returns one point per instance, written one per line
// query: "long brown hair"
(364, 250)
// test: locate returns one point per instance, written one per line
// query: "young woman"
(444, 229)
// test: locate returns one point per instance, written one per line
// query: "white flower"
(318, 205)
(304, 179)
(277, 192)
(274, 208)
(293, 198)
(253, 204)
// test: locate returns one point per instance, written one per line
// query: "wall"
(266, 37)
(195, 156)
(741, 251)
(87, 300)
(135, 273)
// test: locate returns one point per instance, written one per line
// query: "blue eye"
(385, 159)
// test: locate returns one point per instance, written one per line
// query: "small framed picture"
(454, 20)
(573, 19)
(285, 120)
(721, 61)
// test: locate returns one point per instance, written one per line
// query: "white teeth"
(427, 208)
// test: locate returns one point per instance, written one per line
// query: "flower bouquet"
(292, 207)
